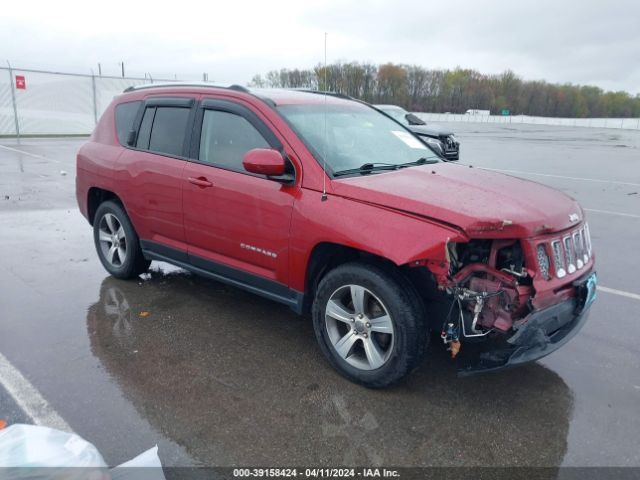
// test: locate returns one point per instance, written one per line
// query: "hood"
(484, 204)
(431, 130)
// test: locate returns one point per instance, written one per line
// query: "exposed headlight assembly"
(436, 144)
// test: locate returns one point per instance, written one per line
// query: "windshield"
(397, 114)
(355, 135)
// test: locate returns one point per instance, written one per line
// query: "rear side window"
(169, 127)
(225, 139)
(145, 129)
(125, 115)
(163, 130)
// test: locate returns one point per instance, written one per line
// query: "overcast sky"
(577, 41)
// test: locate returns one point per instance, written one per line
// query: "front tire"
(117, 243)
(370, 324)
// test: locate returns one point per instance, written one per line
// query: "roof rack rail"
(321, 92)
(238, 88)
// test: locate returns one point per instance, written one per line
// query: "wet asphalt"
(219, 377)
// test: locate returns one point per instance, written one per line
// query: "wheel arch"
(326, 256)
(97, 196)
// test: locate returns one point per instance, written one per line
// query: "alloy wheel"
(359, 326)
(113, 240)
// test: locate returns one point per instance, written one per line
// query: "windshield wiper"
(374, 166)
(369, 167)
(422, 161)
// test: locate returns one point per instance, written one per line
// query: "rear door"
(150, 173)
(236, 223)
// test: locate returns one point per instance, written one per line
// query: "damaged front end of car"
(513, 301)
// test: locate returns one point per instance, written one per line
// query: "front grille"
(449, 143)
(543, 261)
(577, 242)
(570, 253)
(587, 240)
(558, 258)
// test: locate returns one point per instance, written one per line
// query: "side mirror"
(264, 161)
(414, 120)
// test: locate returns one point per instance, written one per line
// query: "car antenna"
(324, 153)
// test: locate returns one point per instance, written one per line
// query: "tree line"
(419, 89)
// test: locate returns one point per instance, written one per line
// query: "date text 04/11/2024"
(316, 473)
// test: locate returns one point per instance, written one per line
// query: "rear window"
(169, 127)
(125, 115)
(145, 129)
(163, 130)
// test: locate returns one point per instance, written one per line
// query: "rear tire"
(370, 324)
(117, 243)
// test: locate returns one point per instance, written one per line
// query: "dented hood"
(480, 202)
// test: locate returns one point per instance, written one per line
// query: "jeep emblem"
(573, 217)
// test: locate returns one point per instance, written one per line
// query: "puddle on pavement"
(238, 380)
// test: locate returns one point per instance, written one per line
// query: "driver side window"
(225, 139)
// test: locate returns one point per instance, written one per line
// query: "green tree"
(392, 84)
(421, 89)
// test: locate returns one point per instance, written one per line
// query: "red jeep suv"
(321, 202)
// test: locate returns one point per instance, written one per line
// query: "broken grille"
(569, 253)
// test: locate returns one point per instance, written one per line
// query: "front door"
(236, 223)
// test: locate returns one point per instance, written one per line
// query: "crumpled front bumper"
(543, 332)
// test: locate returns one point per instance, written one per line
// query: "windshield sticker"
(409, 139)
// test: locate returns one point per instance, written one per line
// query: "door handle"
(201, 182)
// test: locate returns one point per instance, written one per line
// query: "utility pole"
(95, 97)
(12, 82)
(99, 69)
(122, 65)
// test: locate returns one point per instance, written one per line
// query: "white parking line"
(34, 155)
(617, 182)
(622, 293)
(28, 398)
(608, 212)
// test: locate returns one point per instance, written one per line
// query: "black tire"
(404, 307)
(134, 262)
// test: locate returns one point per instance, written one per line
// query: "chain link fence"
(35, 102)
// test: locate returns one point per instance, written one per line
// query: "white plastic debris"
(26, 449)
(63, 173)
(33, 446)
(148, 461)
